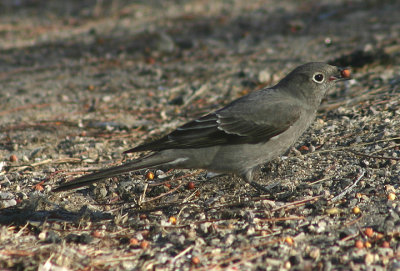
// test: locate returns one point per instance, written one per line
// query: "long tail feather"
(146, 162)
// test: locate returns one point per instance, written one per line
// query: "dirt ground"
(82, 81)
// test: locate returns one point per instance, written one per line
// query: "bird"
(238, 138)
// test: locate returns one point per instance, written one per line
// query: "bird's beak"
(342, 74)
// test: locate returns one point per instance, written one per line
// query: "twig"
(25, 107)
(349, 188)
(350, 237)
(113, 258)
(354, 221)
(200, 91)
(20, 232)
(163, 194)
(246, 255)
(386, 148)
(320, 180)
(373, 156)
(15, 252)
(48, 161)
(352, 101)
(190, 196)
(276, 219)
(143, 196)
(172, 180)
(352, 146)
(296, 203)
(180, 254)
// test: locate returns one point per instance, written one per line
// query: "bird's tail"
(152, 160)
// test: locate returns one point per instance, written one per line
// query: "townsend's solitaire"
(246, 133)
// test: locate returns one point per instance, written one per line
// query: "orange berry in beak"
(345, 73)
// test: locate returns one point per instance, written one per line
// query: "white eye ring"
(318, 78)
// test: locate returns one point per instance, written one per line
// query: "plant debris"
(83, 81)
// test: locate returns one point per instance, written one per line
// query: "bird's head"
(311, 81)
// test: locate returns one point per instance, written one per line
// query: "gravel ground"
(82, 81)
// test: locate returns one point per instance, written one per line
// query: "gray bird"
(237, 138)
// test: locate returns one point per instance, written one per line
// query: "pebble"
(369, 258)
(315, 253)
(229, 239)
(103, 192)
(7, 200)
(343, 127)
(4, 181)
(264, 76)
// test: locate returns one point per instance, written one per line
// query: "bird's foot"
(261, 188)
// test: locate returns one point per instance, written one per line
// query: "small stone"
(42, 235)
(315, 253)
(295, 259)
(229, 239)
(52, 238)
(103, 192)
(106, 99)
(369, 258)
(264, 76)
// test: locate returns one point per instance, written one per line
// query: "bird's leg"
(248, 178)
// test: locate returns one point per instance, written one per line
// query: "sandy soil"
(82, 81)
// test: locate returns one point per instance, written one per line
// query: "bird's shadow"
(40, 210)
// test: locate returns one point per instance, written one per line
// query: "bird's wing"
(251, 119)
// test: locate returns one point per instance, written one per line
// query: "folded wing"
(248, 120)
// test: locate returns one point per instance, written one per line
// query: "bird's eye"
(318, 78)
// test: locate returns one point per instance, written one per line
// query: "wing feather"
(236, 123)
